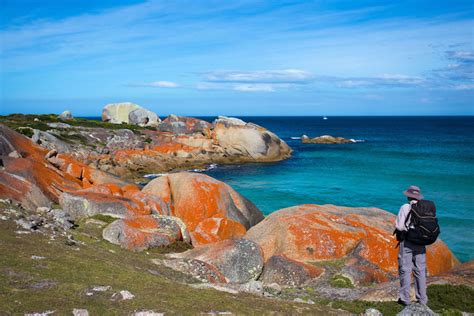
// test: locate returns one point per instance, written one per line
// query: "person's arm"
(401, 217)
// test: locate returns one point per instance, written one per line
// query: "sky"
(239, 58)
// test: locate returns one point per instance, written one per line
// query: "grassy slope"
(72, 270)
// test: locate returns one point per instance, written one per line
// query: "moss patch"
(451, 297)
(104, 218)
(334, 264)
(341, 281)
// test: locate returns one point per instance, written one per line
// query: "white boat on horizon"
(325, 118)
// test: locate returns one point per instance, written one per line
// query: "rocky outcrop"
(184, 125)
(238, 260)
(143, 117)
(27, 177)
(462, 274)
(285, 271)
(118, 113)
(177, 143)
(211, 209)
(65, 116)
(417, 309)
(325, 139)
(362, 237)
(37, 177)
(143, 232)
(248, 140)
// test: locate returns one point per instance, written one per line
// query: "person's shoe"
(402, 302)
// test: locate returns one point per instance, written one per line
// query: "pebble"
(300, 300)
(372, 312)
(40, 313)
(80, 312)
(126, 295)
(147, 313)
(101, 288)
(122, 295)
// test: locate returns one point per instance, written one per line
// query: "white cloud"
(262, 76)
(467, 86)
(254, 88)
(157, 84)
(162, 84)
(385, 80)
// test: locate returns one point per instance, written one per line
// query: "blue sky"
(238, 57)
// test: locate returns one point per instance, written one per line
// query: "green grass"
(450, 297)
(104, 218)
(69, 271)
(27, 120)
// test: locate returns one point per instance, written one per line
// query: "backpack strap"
(408, 218)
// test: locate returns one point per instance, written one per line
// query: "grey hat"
(413, 192)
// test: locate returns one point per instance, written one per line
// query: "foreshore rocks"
(145, 146)
(144, 232)
(321, 246)
(180, 125)
(248, 140)
(282, 270)
(129, 113)
(362, 237)
(326, 139)
(211, 209)
(238, 260)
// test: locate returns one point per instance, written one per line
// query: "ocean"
(434, 153)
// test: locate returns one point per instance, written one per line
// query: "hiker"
(416, 227)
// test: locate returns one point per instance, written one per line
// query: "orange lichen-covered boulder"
(363, 236)
(211, 209)
(86, 203)
(239, 260)
(27, 177)
(143, 232)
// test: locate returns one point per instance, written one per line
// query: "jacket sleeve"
(401, 217)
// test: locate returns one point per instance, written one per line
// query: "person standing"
(411, 256)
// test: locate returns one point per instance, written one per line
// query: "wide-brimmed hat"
(413, 192)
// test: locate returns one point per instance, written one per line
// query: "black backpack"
(423, 228)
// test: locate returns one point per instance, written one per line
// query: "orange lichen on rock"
(138, 233)
(214, 229)
(439, 258)
(211, 209)
(313, 233)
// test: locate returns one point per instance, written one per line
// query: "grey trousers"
(412, 258)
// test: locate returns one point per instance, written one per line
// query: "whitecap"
(154, 175)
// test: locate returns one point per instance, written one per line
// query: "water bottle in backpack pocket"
(423, 228)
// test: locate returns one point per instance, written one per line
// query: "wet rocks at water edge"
(326, 139)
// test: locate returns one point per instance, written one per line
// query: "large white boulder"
(118, 113)
(238, 138)
(143, 117)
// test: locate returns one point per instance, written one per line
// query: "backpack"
(423, 228)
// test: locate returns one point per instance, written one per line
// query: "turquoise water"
(435, 153)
